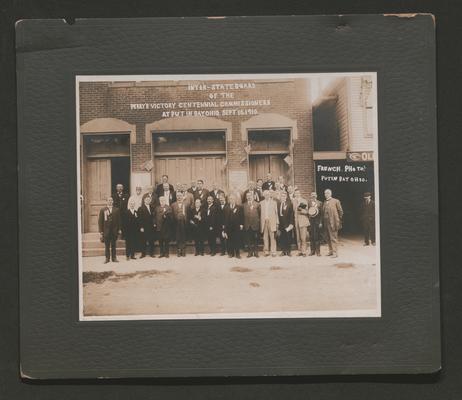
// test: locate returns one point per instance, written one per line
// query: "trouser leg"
(113, 249)
(107, 250)
(266, 237)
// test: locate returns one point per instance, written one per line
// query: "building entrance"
(106, 162)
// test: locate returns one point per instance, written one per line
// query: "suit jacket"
(121, 201)
(211, 217)
(202, 195)
(234, 218)
(154, 201)
(131, 225)
(163, 219)
(160, 189)
(221, 217)
(257, 196)
(301, 214)
(146, 220)
(286, 215)
(367, 211)
(171, 196)
(268, 185)
(252, 216)
(317, 219)
(109, 223)
(216, 194)
(332, 213)
(176, 211)
(270, 214)
(196, 224)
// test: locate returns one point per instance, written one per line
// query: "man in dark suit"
(163, 225)
(367, 213)
(269, 184)
(256, 196)
(180, 212)
(215, 192)
(251, 224)
(196, 220)
(160, 187)
(286, 224)
(120, 198)
(131, 229)
(109, 225)
(211, 224)
(314, 217)
(153, 197)
(234, 226)
(221, 207)
(201, 193)
(146, 220)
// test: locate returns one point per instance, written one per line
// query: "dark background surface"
(446, 385)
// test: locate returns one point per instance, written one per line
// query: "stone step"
(96, 244)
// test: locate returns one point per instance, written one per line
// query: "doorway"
(106, 162)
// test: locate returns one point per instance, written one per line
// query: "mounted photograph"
(228, 196)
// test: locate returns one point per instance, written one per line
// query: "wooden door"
(97, 189)
(185, 169)
(260, 165)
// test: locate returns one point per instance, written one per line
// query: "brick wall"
(289, 97)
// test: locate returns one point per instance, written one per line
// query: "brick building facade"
(225, 132)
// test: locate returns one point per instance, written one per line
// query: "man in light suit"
(109, 224)
(332, 215)
(301, 221)
(269, 222)
(251, 223)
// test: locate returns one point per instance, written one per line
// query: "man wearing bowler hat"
(368, 219)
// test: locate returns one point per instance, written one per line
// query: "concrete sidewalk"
(220, 285)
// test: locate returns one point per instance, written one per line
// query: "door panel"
(97, 189)
(184, 169)
(260, 165)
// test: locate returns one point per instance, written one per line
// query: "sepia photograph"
(228, 196)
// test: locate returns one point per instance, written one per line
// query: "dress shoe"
(115, 260)
(105, 262)
(143, 255)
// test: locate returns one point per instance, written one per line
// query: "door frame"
(83, 168)
(271, 152)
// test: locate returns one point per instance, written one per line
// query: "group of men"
(225, 223)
